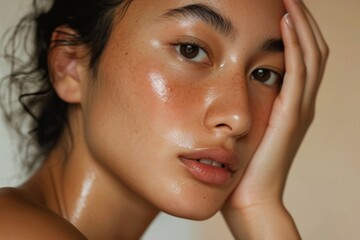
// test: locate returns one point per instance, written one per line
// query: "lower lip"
(207, 173)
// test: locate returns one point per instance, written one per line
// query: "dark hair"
(29, 79)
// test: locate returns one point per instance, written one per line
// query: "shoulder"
(21, 218)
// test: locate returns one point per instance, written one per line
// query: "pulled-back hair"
(27, 47)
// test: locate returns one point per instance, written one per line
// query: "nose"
(228, 112)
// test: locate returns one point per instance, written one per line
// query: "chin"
(193, 214)
(201, 207)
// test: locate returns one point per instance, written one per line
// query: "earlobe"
(66, 64)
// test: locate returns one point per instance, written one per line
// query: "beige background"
(323, 191)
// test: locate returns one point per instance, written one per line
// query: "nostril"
(231, 119)
(235, 128)
(223, 125)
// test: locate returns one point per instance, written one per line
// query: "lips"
(212, 166)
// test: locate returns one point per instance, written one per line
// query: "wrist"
(266, 221)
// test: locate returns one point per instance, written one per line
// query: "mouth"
(211, 163)
(212, 166)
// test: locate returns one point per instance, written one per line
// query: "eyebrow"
(219, 22)
(204, 13)
(273, 45)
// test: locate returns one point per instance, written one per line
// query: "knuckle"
(317, 56)
(325, 50)
(308, 116)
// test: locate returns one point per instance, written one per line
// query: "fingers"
(317, 32)
(313, 86)
(294, 83)
(324, 49)
(314, 53)
(305, 58)
(304, 31)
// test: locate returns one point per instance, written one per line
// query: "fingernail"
(289, 20)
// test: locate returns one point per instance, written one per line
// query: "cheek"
(261, 106)
(134, 104)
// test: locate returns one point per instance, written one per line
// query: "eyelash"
(278, 82)
(200, 46)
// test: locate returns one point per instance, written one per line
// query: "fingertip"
(289, 33)
(288, 20)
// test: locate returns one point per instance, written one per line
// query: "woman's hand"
(255, 208)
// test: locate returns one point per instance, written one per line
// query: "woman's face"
(182, 98)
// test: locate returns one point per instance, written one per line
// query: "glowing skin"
(158, 84)
(177, 114)
(81, 202)
(158, 105)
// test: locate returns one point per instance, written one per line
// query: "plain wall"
(322, 191)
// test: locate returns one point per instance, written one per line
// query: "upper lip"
(228, 158)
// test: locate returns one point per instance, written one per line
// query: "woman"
(187, 107)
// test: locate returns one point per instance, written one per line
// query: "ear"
(67, 64)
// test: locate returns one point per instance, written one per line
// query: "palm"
(265, 175)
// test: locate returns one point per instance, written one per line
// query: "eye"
(192, 52)
(266, 76)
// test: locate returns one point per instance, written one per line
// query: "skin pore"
(178, 82)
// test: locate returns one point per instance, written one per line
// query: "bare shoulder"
(21, 218)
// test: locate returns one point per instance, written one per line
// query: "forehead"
(245, 15)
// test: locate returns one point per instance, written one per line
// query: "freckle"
(126, 53)
(204, 197)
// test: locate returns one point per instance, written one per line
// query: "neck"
(85, 193)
